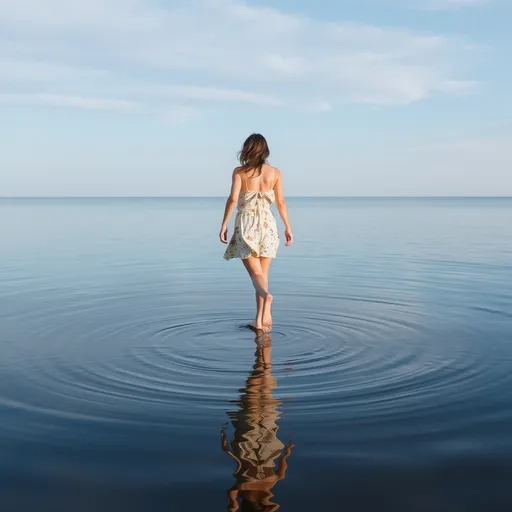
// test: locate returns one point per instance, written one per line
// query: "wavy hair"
(254, 153)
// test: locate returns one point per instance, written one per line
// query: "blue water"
(386, 383)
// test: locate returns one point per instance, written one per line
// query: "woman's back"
(252, 180)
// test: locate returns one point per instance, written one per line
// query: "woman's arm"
(225, 448)
(283, 462)
(236, 185)
(282, 208)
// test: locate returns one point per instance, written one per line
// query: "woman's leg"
(259, 282)
(259, 304)
(265, 267)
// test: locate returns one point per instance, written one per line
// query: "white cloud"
(447, 5)
(56, 100)
(33, 71)
(205, 94)
(201, 51)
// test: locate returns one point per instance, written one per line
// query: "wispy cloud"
(447, 5)
(216, 51)
(56, 100)
(208, 94)
(23, 69)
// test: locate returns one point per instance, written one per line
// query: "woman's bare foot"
(258, 326)
(267, 321)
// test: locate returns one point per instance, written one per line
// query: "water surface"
(128, 380)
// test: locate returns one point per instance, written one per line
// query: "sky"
(155, 97)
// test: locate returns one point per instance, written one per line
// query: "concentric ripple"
(352, 364)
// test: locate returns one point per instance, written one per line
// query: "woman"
(255, 186)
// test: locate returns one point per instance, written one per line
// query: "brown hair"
(254, 153)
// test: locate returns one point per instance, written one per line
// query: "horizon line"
(289, 196)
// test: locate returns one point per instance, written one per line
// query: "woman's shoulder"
(275, 171)
(267, 168)
(237, 171)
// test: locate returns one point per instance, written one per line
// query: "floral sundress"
(255, 231)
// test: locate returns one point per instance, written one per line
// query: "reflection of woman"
(255, 446)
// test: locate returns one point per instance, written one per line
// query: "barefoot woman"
(255, 186)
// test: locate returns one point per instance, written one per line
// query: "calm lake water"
(128, 380)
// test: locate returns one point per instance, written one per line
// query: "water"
(124, 361)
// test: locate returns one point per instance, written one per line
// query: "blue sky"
(154, 97)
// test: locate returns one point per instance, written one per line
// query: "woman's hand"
(289, 236)
(223, 235)
(288, 448)
(223, 439)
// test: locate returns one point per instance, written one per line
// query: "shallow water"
(125, 361)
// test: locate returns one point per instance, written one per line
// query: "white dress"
(255, 231)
